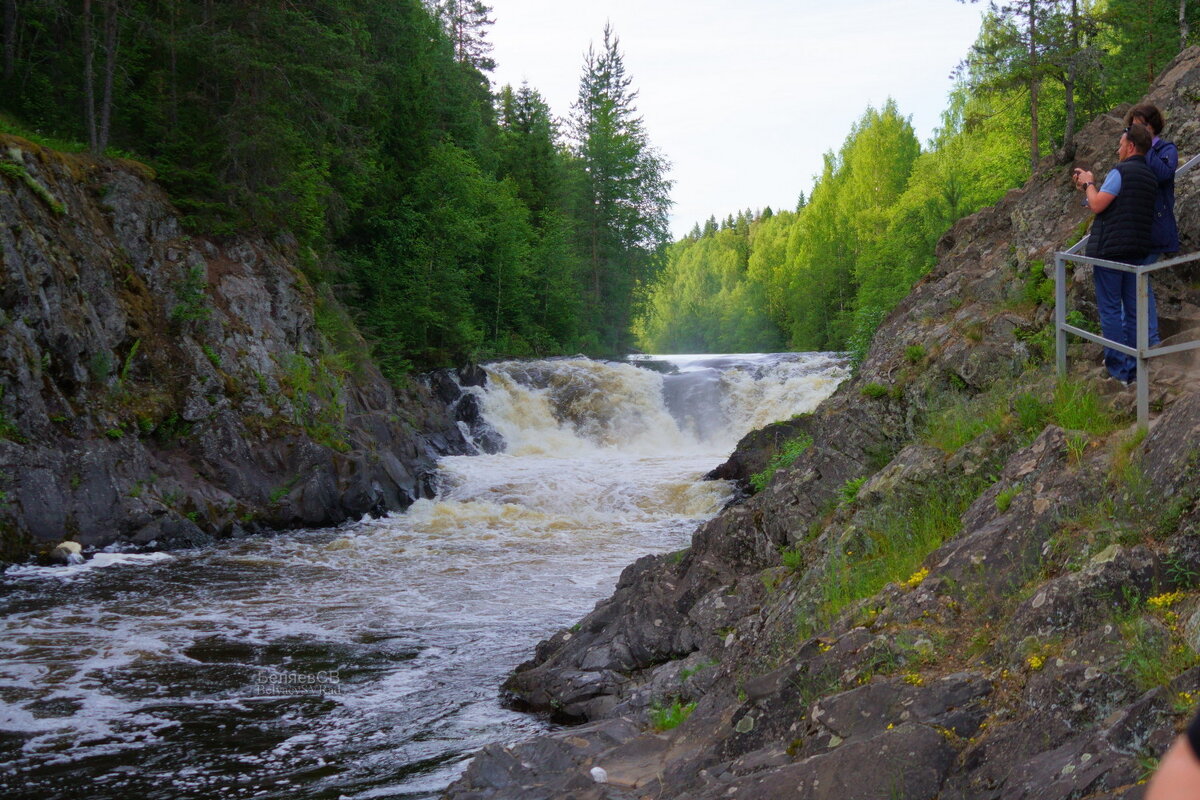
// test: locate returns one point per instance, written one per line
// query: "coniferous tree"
(623, 199)
(466, 23)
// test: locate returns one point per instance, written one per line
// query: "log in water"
(364, 662)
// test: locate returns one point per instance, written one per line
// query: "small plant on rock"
(874, 391)
(787, 455)
(664, 718)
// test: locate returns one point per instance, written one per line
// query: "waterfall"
(653, 404)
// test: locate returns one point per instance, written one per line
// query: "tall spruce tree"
(466, 23)
(624, 193)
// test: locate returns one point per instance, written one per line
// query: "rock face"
(1033, 651)
(160, 388)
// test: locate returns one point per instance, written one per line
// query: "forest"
(462, 221)
(457, 221)
(821, 276)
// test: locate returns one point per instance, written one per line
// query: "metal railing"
(1143, 352)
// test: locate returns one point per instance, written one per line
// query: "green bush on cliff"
(664, 718)
(787, 455)
(191, 293)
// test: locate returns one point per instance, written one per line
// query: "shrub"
(849, 489)
(1005, 498)
(1075, 407)
(664, 718)
(192, 295)
(792, 449)
(874, 391)
(792, 559)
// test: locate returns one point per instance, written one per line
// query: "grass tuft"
(787, 455)
(664, 718)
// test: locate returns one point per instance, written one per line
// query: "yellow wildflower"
(1165, 600)
(914, 679)
(916, 578)
(1035, 662)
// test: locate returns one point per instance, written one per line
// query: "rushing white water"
(364, 662)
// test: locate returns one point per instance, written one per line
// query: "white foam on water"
(98, 561)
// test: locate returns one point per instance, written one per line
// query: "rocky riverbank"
(974, 583)
(164, 389)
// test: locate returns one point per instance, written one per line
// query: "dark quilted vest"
(1122, 231)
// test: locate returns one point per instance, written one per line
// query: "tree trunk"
(1069, 83)
(1183, 24)
(10, 38)
(111, 33)
(173, 113)
(89, 94)
(1034, 85)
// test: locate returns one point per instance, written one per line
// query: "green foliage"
(959, 420)
(281, 491)
(664, 718)
(1031, 413)
(825, 276)
(8, 427)
(1075, 317)
(915, 353)
(316, 391)
(191, 296)
(18, 171)
(704, 299)
(787, 455)
(793, 559)
(1005, 497)
(213, 356)
(892, 543)
(690, 671)
(1076, 407)
(849, 490)
(366, 134)
(100, 365)
(623, 194)
(172, 429)
(1038, 289)
(875, 391)
(1154, 655)
(127, 364)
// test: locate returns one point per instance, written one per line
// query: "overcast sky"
(744, 97)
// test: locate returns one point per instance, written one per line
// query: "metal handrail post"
(1143, 347)
(1060, 314)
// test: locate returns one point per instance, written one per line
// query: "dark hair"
(1140, 137)
(1148, 112)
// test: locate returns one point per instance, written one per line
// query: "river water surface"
(364, 662)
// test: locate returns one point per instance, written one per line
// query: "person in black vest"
(1163, 160)
(1124, 209)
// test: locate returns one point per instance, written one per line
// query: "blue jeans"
(1116, 300)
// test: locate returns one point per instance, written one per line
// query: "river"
(364, 661)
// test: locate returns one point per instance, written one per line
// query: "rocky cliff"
(158, 388)
(975, 583)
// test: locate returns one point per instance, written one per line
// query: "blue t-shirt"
(1112, 182)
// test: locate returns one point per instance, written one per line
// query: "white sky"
(744, 97)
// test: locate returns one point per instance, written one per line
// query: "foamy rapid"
(364, 662)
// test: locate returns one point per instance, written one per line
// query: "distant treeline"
(456, 221)
(822, 276)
